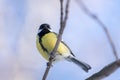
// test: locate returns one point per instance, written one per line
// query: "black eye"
(45, 26)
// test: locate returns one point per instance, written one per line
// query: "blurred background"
(20, 20)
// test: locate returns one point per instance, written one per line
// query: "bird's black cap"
(44, 26)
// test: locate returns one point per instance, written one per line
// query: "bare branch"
(47, 69)
(61, 13)
(102, 25)
(109, 38)
(66, 13)
(106, 71)
(62, 26)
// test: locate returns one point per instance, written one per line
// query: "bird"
(45, 42)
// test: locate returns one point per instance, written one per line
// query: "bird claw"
(49, 64)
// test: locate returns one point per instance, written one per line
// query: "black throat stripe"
(41, 34)
(40, 41)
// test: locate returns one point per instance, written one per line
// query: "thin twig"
(102, 25)
(66, 13)
(59, 38)
(61, 13)
(62, 26)
(109, 38)
(49, 64)
(106, 71)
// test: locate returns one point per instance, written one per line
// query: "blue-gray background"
(19, 21)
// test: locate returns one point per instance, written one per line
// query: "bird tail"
(83, 65)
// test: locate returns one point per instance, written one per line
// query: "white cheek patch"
(39, 30)
(42, 29)
(50, 30)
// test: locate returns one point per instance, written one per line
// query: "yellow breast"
(49, 41)
(42, 52)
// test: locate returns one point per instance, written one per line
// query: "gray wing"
(65, 44)
(68, 48)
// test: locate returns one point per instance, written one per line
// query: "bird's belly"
(58, 57)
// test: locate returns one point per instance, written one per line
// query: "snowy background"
(20, 20)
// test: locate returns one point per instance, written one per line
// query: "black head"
(44, 29)
(44, 26)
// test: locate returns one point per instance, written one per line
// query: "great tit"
(46, 40)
